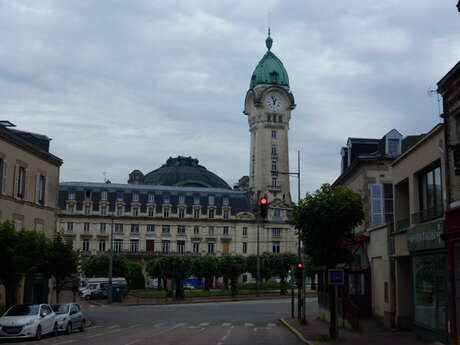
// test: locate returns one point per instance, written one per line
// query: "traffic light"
(263, 207)
(299, 274)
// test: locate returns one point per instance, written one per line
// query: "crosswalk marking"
(204, 324)
(113, 326)
(159, 324)
(271, 325)
(226, 324)
(248, 324)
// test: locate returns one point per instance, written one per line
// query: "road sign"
(336, 277)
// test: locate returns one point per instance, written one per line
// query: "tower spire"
(269, 41)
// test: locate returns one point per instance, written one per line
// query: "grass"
(153, 293)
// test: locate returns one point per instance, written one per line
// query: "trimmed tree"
(98, 266)
(178, 268)
(232, 266)
(205, 267)
(266, 271)
(135, 277)
(155, 270)
(280, 264)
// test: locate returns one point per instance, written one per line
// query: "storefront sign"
(426, 236)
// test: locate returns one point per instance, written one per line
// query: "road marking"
(204, 324)
(271, 324)
(248, 324)
(113, 326)
(134, 326)
(65, 342)
(114, 331)
(95, 335)
(159, 324)
(226, 324)
(134, 342)
(93, 327)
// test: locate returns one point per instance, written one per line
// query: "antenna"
(105, 176)
(432, 92)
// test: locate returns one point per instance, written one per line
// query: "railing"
(402, 224)
(144, 254)
(428, 214)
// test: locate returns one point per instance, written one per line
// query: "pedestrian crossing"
(165, 324)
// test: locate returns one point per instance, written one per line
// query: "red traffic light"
(300, 265)
(263, 200)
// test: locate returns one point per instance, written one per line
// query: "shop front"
(429, 281)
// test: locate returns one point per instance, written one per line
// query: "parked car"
(28, 321)
(69, 317)
(189, 287)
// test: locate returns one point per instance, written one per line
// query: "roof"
(184, 172)
(270, 69)
(442, 83)
(37, 144)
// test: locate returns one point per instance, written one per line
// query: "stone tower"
(268, 105)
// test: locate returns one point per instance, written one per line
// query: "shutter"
(37, 188)
(5, 179)
(16, 180)
(45, 190)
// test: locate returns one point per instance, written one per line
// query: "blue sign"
(336, 277)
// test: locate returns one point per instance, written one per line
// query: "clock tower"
(268, 106)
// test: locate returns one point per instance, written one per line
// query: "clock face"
(273, 102)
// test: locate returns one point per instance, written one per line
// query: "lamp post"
(109, 293)
(301, 292)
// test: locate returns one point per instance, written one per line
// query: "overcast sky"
(123, 85)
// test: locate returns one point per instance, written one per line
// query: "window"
(21, 183)
(381, 203)
(277, 213)
(196, 200)
(165, 246)
(102, 245)
(120, 210)
(71, 209)
(431, 190)
(211, 231)
(274, 167)
(274, 180)
(225, 230)
(151, 197)
(273, 134)
(151, 211)
(196, 230)
(181, 199)
(87, 195)
(394, 147)
(196, 213)
(181, 247)
(135, 211)
(274, 77)
(211, 200)
(118, 244)
(150, 245)
(269, 118)
(165, 229)
(118, 228)
(87, 210)
(273, 149)
(85, 245)
(211, 213)
(280, 118)
(120, 196)
(276, 247)
(2, 176)
(245, 247)
(41, 189)
(181, 230)
(134, 246)
(150, 227)
(136, 197)
(86, 227)
(276, 232)
(70, 226)
(71, 195)
(225, 201)
(196, 247)
(104, 195)
(103, 228)
(181, 212)
(103, 210)
(135, 228)
(166, 212)
(226, 214)
(211, 247)
(166, 199)
(245, 232)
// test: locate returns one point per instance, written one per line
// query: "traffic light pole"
(258, 258)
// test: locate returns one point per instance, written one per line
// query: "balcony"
(428, 214)
(153, 254)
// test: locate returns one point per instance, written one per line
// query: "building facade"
(29, 180)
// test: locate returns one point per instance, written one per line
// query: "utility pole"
(109, 293)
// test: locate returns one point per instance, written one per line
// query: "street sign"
(336, 276)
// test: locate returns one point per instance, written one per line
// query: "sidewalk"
(316, 332)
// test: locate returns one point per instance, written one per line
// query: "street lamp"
(300, 292)
(109, 293)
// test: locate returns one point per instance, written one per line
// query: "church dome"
(270, 69)
(184, 172)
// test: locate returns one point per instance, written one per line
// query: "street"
(224, 323)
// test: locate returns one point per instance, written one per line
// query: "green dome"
(270, 69)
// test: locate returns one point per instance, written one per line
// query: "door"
(150, 245)
(226, 247)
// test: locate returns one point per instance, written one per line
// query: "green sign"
(426, 236)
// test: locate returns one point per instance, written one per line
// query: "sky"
(123, 85)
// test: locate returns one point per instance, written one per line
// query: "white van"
(94, 286)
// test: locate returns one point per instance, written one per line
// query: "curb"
(296, 332)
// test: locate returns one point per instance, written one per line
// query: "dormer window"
(393, 147)
(71, 195)
(135, 196)
(181, 199)
(104, 195)
(211, 200)
(151, 197)
(274, 77)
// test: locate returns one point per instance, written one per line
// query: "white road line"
(114, 331)
(159, 324)
(271, 324)
(204, 324)
(248, 324)
(134, 326)
(113, 326)
(226, 324)
(134, 342)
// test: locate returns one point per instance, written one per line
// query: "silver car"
(27, 321)
(69, 317)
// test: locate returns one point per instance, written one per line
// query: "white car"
(69, 317)
(28, 321)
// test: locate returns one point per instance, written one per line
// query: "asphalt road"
(224, 323)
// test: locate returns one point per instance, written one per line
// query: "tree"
(155, 270)
(205, 267)
(325, 220)
(266, 271)
(21, 252)
(178, 268)
(280, 264)
(61, 262)
(98, 266)
(135, 277)
(232, 266)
